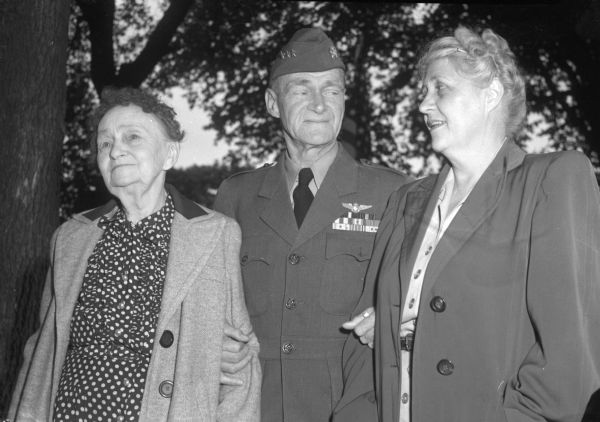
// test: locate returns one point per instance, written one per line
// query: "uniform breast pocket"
(346, 258)
(256, 262)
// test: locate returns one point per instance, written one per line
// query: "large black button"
(293, 259)
(445, 367)
(244, 260)
(290, 304)
(165, 389)
(288, 348)
(166, 340)
(438, 304)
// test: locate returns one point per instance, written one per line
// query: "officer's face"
(310, 106)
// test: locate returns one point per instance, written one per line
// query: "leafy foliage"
(221, 54)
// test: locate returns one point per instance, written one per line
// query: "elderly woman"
(488, 274)
(138, 292)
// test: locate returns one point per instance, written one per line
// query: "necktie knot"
(305, 176)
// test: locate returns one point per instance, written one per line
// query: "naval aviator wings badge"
(356, 220)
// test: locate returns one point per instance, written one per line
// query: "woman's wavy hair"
(481, 59)
(112, 97)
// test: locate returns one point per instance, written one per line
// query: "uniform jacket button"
(293, 259)
(290, 304)
(244, 260)
(166, 340)
(438, 304)
(166, 389)
(288, 348)
(445, 367)
(371, 397)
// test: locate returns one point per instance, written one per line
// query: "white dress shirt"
(440, 220)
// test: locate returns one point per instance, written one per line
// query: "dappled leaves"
(221, 52)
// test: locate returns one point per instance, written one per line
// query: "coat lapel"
(341, 180)
(420, 206)
(69, 269)
(480, 203)
(277, 211)
(187, 258)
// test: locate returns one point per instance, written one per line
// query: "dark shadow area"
(26, 322)
(592, 413)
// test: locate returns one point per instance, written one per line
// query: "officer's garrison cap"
(309, 50)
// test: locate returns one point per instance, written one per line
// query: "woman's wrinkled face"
(310, 106)
(133, 150)
(453, 107)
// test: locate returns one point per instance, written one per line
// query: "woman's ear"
(271, 102)
(494, 94)
(173, 149)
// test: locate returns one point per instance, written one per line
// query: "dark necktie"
(302, 195)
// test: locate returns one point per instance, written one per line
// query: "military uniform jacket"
(508, 325)
(301, 285)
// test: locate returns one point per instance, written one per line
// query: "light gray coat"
(202, 290)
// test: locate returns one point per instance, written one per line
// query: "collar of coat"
(342, 172)
(421, 200)
(183, 206)
(274, 204)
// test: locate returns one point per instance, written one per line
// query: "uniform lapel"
(277, 211)
(341, 180)
(420, 205)
(481, 203)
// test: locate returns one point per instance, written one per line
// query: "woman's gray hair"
(481, 59)
(113, 97)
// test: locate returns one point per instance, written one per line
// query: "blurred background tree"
(219, 52)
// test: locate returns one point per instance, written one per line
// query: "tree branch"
(99, 14)
(134, 73)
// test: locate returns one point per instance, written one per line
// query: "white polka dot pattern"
(114, 320)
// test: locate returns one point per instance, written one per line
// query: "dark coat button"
(290, 304)
(438, 304)
(166, 340)
(166, 389)
(445, 367)
(293, 259)
(244, 260)
(288, 348)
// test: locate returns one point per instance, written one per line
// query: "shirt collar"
(319, 167)
(156, 227)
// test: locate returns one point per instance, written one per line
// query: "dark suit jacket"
(301, 285)
(518, 270)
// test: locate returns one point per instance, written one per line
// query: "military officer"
(308, 224)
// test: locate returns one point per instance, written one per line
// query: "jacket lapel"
(277, 211)
(69, 269)
(187, 258)
(420, 206)
(341, 180)
(480, 203)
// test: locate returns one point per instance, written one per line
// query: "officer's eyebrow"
(294, 82)
(307, 82)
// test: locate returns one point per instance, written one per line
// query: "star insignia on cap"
(333, 52)
(287, 54)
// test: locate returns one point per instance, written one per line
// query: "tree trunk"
(33, 51)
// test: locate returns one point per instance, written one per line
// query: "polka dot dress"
(114, 320)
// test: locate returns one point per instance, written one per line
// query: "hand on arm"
(363, 326)
(235, 354)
